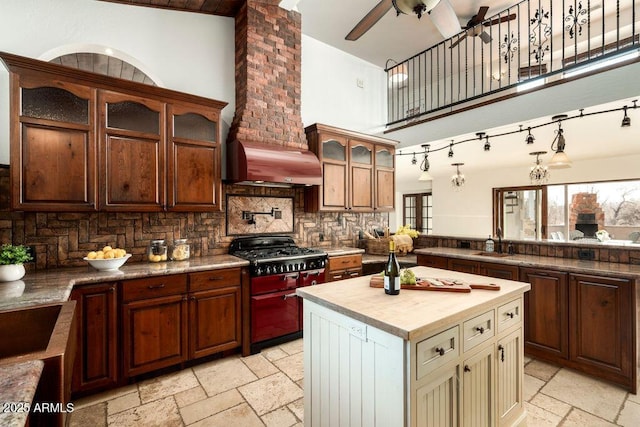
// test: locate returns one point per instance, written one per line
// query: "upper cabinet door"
(361, 161)
(53, 148)
(385, 178)
(193, 159)
(333, 157)
(132, 153)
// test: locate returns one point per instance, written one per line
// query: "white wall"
(469, 212)
(188, 52)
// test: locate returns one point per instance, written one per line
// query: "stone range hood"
(266, 139)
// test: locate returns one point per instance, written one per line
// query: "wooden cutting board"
(433, 284)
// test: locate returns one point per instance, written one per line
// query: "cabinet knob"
(480, 329)
(510, 314)
(440, 351)
(467, 368)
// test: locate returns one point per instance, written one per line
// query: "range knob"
(303, 266)
(258, 270)
(267, 269)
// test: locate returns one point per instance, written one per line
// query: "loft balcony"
(531, 45)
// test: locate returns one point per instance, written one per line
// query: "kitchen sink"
(48, 333)
(493, 254)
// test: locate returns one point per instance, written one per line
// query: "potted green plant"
(11, 259)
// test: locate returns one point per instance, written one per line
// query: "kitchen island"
(416, 359)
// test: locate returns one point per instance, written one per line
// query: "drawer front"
(153, 287)
(437, 351)
(478, 330)
(345, 262)
(509, 314)
(214, 279)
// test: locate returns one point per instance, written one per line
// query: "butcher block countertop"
(565, 264)
(53, 286)
(412, 313)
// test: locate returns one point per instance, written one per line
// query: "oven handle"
(293, 295)
(312, 273)
(292, 276)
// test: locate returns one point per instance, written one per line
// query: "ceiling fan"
(419, 7)
(475, 26)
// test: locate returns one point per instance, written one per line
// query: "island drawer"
(437, 351)
(139, 289)
(478, 330)
(509, 314)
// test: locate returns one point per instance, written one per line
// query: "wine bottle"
(392, 272)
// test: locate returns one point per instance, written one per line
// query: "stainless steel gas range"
(277, 267)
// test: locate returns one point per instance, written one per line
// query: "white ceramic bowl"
(107, 264)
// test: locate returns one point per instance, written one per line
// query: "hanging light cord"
(577, 116)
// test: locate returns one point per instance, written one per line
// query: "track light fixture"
(538, 174)
(424, 166)
(457, 180)
(626, 120)
(414, 161)
(487, 144)
(530, 139)
(450, 154)
(559, 160)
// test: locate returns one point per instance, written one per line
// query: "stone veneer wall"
(62, 239)
(547, 248)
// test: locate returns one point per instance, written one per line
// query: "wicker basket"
(381, 247)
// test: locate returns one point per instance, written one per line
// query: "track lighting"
(414, 161)
(559, 160)
(538, 174)
(424, 166)
(457, 180)
(626, 120)
(530, 137)
(450, 154)
(487, 144)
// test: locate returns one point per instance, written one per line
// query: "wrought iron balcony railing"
(546, 41)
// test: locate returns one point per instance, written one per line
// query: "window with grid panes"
(417, 211)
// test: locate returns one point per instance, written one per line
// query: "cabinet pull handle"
(480, 329)
(501, 350)
(337, 277)
(467, 368)
(112, 289)
(160, 286)
(285, 297)
(354, 274)
(510, 314)
(216, 278)
(440, 351)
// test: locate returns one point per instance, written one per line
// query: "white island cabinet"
(421, 358)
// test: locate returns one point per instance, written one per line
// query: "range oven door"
(274, 314)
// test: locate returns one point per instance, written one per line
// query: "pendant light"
(626, 120)
(559, 160)
(530, 139)
(457, 180)
(538, 174)
(424, 166)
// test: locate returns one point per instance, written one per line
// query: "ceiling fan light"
(419, 7)
(445, 19)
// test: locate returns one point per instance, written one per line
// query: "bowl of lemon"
(107, 259)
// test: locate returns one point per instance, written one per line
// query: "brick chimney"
(268, 75)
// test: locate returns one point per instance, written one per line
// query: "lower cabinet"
(509, 362)
(478, 388)
(343, 267)
(437, 400)
(432, 261)
(138, 326)
(96, 361)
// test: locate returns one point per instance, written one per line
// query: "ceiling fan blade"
(500, 20)
(369, 20)
(457, 42)
(485, 37)
(480, 15)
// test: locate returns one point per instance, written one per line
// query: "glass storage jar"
(180, 250)
(157, 251)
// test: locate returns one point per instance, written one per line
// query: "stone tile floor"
(266, 390)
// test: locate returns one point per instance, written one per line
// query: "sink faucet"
(499, 234)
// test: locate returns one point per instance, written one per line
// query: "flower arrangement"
(406, 229)
(14, 254)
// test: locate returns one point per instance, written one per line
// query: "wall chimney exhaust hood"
(263, 164)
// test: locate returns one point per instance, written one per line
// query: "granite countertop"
(18, 382)
(565, 264)
(412, 313)
(51, 286)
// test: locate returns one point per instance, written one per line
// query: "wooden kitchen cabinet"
(546, 308)
(500, 271)
(432, 261)
(53, 147)
(358, 171)
(343, 267)
(478, 388)
(97, 354)
(464, 265)
(89, 142)
(154, 323)
(215, 312)
(132, 151)
(601, 323)
(509, 378)
(193, 159)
